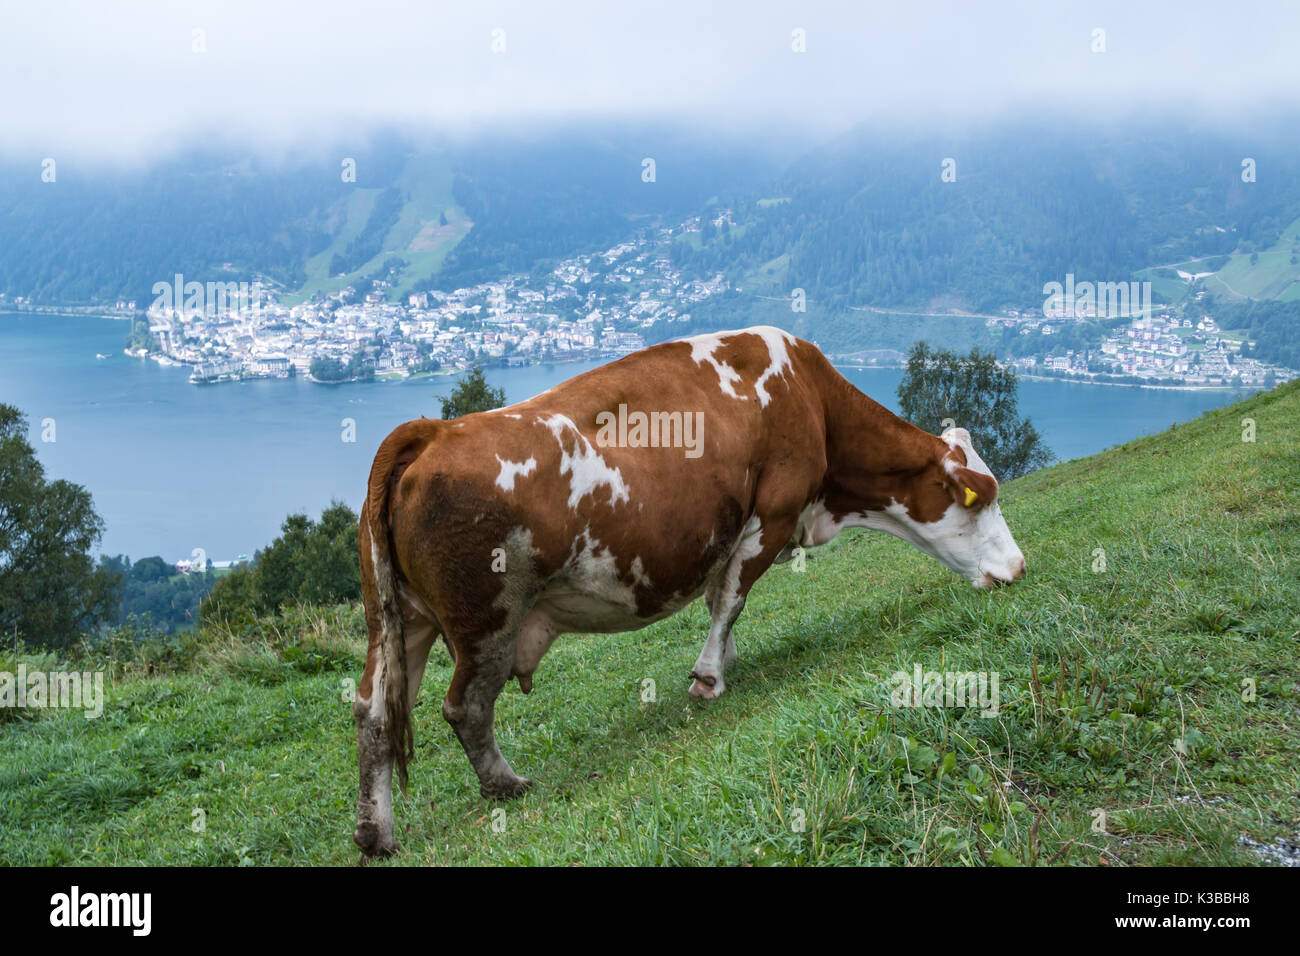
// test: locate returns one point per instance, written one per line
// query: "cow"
(616, 499)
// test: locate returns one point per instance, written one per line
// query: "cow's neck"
(873, 456)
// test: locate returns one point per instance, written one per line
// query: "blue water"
(174, 466)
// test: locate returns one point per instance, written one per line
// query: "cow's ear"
(971, 489)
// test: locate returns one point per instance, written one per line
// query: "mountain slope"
(870, 220)
(98, 234)
(421, 226)
(1126, 690)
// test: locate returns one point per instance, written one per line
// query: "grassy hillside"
(1274, 273)
(417, 237)
(1121, 691)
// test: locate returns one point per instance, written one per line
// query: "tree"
(472, 394)
(357, 369)
(141, 337)
(154, 596)
(51, 593)
(232, 596)
(325, 369)
(152, 569)
(312, 562)
(979, 395)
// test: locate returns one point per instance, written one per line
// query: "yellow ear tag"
(971, 497)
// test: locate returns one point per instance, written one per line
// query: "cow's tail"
(397, 452)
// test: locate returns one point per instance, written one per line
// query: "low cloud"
(142, 79)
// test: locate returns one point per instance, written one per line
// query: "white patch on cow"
(702, 349)
(777, 340)
(637, 571)
(816, 526)
(960, 438)
(510, 470)
(588, 471)
(593, 570)
(748, 545)
(510, 415)
(589, 595)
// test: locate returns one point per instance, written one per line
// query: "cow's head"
(954, 517)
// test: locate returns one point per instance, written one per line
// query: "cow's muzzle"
(1015, 571)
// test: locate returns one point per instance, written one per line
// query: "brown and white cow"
(614, 500)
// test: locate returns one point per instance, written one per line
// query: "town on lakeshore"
(1162, 349)
(608, 304)
(588, 306)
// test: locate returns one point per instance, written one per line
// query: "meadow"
(1147, 670)
(1271, 273)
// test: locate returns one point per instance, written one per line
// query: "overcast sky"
(124, 79)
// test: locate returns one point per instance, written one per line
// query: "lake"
(174, 466)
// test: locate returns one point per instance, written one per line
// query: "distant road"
(873, 308)
(929, 315)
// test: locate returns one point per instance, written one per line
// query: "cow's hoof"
(505, 788)
(372, 843)
(706, 688)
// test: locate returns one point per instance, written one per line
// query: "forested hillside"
(866, 220)
(870, 220)
(97, 236)
(100, 234)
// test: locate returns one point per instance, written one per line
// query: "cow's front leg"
(720, 649)
(729, 654)
(482, 668)
(726, 597)
(759, 545)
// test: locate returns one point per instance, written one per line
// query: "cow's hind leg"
(374, 833)
(483, 665)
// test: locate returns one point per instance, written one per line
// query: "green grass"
(1164, 289)
(1272, 276)
(1121, 692)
